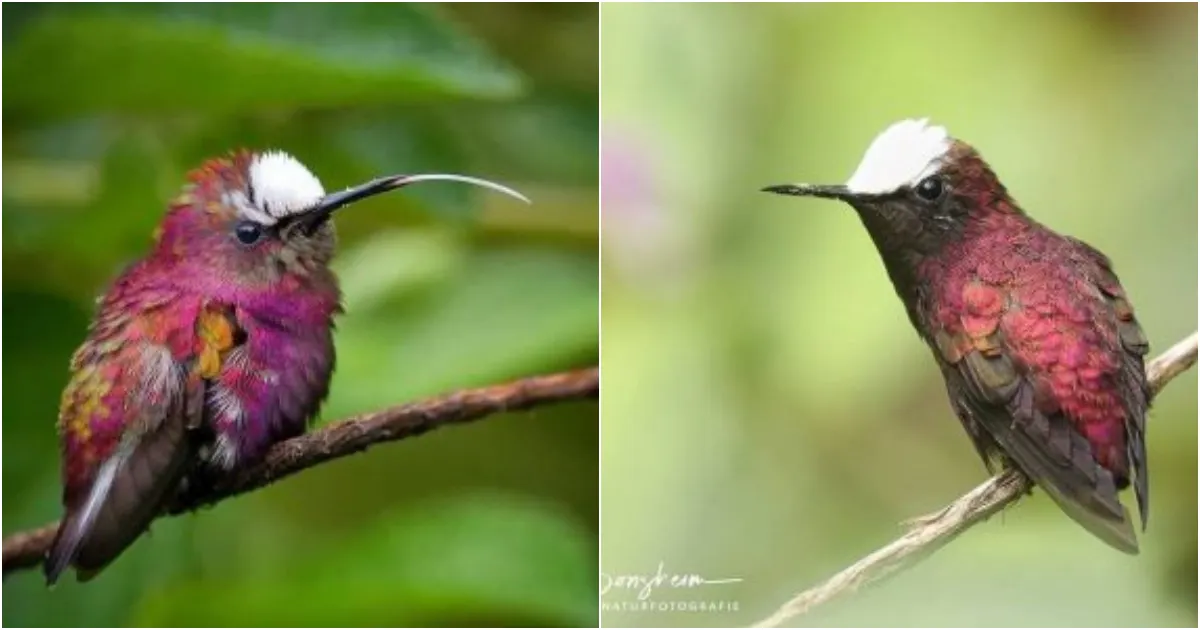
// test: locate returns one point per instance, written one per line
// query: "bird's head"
(916, 188)
(256, 217)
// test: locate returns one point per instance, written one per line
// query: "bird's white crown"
(281, 185)
(901, 156)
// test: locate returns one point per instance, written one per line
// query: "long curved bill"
(333, 201)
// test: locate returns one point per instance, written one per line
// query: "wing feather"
(1135, 390)
(1011, 407)
(128, 424)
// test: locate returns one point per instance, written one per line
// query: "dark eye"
(930, 188)
(248, 232)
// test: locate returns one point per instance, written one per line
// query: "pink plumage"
(203, 354)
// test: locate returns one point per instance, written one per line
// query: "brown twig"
(929, 533)
(26, 549)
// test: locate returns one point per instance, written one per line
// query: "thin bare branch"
(26, 549)
(929, 533)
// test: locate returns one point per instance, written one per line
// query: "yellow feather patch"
(210, 363)
(83, 401)
(216, 336)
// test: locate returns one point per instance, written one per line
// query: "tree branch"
(929, 533)
(26, 549)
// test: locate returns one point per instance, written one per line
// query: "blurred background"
(771, 416)
(105, 110)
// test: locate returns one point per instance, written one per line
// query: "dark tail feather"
(79, 521)
(129, 491)
(1118, 533)
(1085, 490)
(1060, 461)
(1141, 482)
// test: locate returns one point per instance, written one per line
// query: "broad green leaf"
(230, 57)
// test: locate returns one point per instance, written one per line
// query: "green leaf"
(232, 57)
(487, 560)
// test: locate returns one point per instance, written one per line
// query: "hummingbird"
(201, 355)
(1034, 335)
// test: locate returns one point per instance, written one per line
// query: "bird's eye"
(930, 188)
(248, 232)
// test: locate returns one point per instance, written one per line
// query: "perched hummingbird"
(1037, 342)
(205, 352)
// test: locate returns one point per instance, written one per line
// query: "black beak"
(319, 213)
(812, 190)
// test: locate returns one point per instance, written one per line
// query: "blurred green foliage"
(107, 107)
(769, 414)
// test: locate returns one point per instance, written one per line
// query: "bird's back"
(1044, 361)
